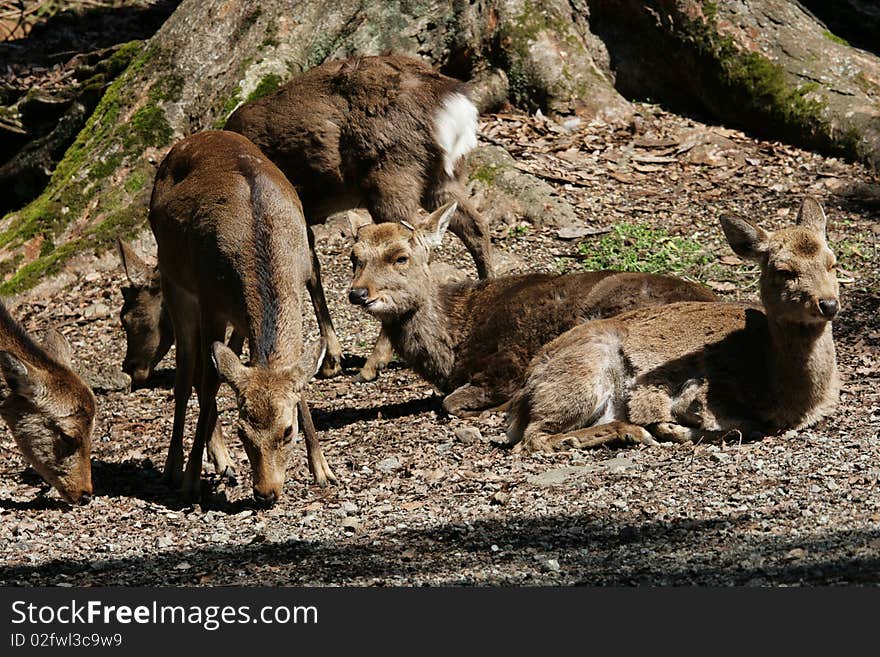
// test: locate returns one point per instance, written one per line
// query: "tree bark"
(766, 66)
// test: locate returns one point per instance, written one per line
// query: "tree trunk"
(770, 69)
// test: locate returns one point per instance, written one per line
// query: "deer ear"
(58, 347)
(17, 376)
(811, 215)
(229, 367)
(435, 225)
(746, 239)
(356, 221)
(310, 361)
(136, 270)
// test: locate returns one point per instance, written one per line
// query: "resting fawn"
(688, 371)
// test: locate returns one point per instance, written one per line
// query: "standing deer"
(473, 340)
(386, 133)
(149, 333)
(688, 371)
(49, 410)
(232, 249)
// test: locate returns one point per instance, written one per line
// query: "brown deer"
(473, 340)
(688, 371)
(149, 333)
(232, 249)
(386, 133)
(49, 410)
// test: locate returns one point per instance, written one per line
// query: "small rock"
(547, 563)
(97, 310)
(351, 525)
(388, 465)
(500, 498)
(468, 435)
(578, 232)
(163, 542)
(616, 465)
(796, 553)
(183, 565)
(349, 507)
(560, 476)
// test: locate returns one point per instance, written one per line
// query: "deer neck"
(426, 337)
(804, 373)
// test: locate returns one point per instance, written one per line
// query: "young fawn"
(232, 249)
(386, 133)
(473, 340)
(49, 410)
(688, 371)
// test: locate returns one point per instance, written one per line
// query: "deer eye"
(402, 260)
(288, 433)
(787, 274)
(354, 262)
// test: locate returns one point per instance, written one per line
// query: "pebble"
(468, 435)
(388, 465)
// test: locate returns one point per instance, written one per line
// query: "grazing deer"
(232, 249)
(49, 410)
(386, 133)
(473, 340)
(149, 333)
(688, 371)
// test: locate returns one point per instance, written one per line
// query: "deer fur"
(686, 371)
(386, 133)
(232, 249)
(474, 339)
(48, 408)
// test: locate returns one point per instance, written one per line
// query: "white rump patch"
(455, 129)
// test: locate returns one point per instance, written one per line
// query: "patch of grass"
(828, 34)
(641, 248)
(518, 231)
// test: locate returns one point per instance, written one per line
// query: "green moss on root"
(265, 87)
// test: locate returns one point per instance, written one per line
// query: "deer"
(473, 340)
(697, 371)
(383, 132)
(49, 410)
(232, 249)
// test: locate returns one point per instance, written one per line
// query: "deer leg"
(589, 438)
(209, 383)
(332, 364)
(467, 224)
(217, 450)
(182, 309)
(378, 360)
(317, 463)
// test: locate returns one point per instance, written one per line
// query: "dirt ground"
(423, 499)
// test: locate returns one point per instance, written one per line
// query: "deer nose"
(358, 296)
(266, 499)
(85, 498)
(828, 307)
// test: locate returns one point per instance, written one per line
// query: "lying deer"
(49, 410)
(386, 133)
(232, 249)
(473, 340)
(688, 371)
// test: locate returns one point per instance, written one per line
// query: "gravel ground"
(425, 499)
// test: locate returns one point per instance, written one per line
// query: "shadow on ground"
(684, 552)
